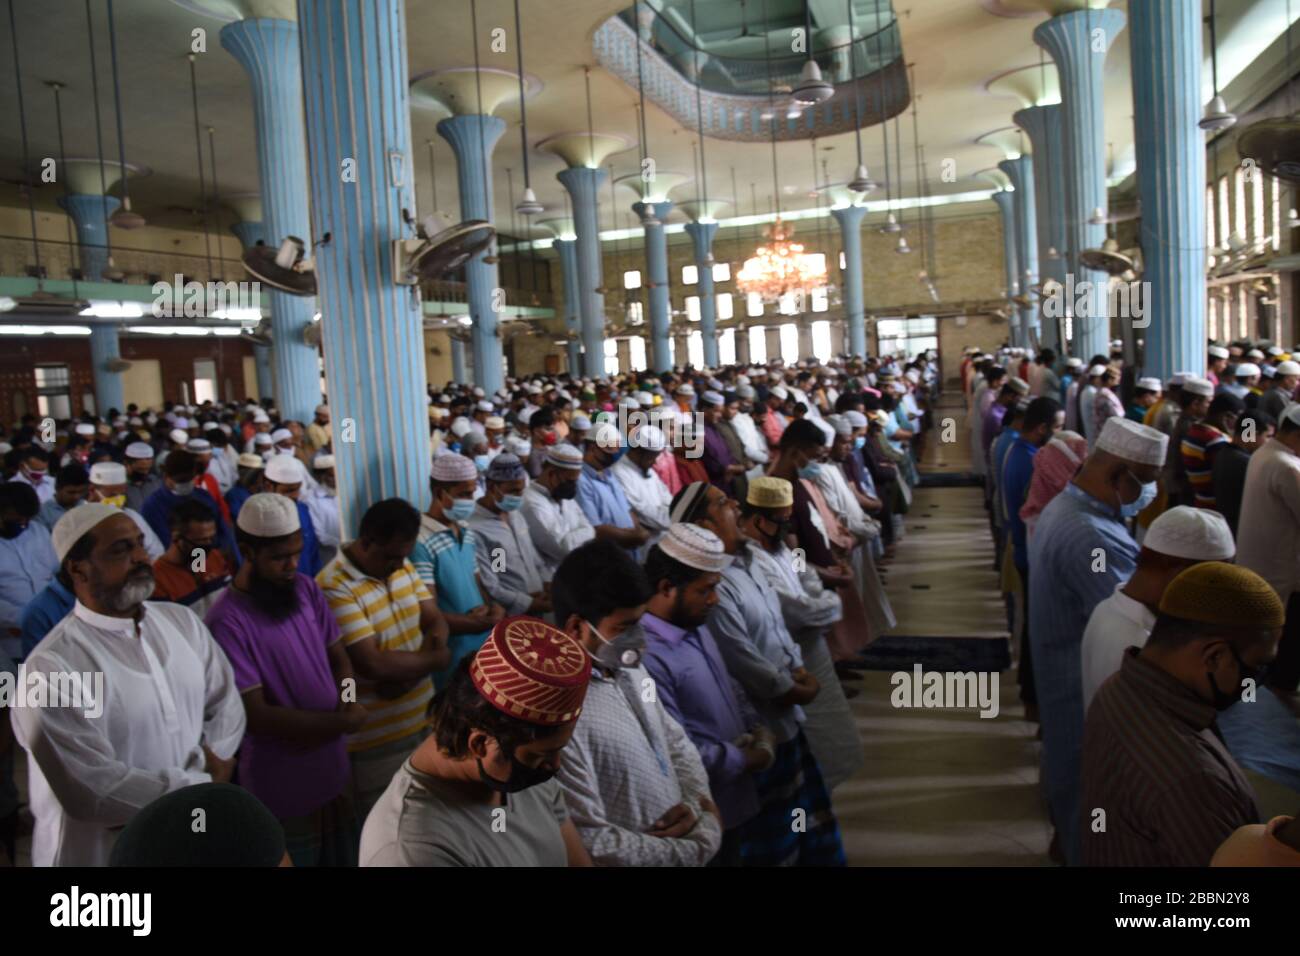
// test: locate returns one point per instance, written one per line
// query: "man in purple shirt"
(297, 686)
(721, 468)
(1012, 391)
(692, 682)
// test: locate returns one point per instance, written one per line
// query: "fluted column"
(89, 214)
(458, 361)
(567, 250)
(583, 184)
(702, 234)
(1021, 173)
(1078, 42)
(1166, 39)
(1042, 124)
(354, 63)
(268, 50)
(850, 220)
(1006, 201)
(472, 139)
(656, 264)
(248, 234)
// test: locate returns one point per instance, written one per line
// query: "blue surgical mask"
(481, 462)
(1147, 495)
(460, 509)
(510, 502)
(860, 443)
(810, 470)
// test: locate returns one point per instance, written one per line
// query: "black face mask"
(522, 777)
(782, 529)
(566, 490)
(12, 529)
(1222, 700)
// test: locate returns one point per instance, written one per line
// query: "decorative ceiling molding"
(729, 116)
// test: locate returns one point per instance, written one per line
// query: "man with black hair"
(542, 436)
(394, 636)
(34, 471)
(1159, 786)
(27, 560)
(1203, 440)
(192, 571)
(634, 783)
(509, 567)
(555, 522)
(295, 679)
(71, 486)
(1253, 430)
(501, 728)
(180, 470)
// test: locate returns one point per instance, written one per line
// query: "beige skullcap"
(769, 492)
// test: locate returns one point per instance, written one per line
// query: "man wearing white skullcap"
(284, 644)
(318, 432)
(601, 497)
(1176, 540)
(555, 521)
(163, 713)
(1268, 535)
(646, 492)
(110, 484)
(1285, 379)
(284, 475)
(1081, 550)
(1216, 363)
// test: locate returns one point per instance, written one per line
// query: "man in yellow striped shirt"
(395, 637)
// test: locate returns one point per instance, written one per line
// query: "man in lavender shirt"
(297, 686)
(721, 468)
(692, 682)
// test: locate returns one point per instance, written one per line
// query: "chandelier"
(779, 267)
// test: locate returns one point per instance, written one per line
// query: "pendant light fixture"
(1052, 252)
(198, 150)
(890, 226)
(699, 125)
(1217, 115)
(902, 248)
(124, 217)
(55, 88)
(528, 205)
(811, 88)
(1274, 143)
(861, 181)
(648, 217)
(110, 271)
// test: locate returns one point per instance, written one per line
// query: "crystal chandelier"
(779, 267)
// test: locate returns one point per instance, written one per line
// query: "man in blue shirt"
(284, 475)
(179, 473)
(27, 560)
(1081, 552)
(601, 497)
(46, 610)
(71, 485)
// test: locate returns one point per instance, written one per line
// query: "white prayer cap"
(564, 456)
(322, 409)
(460, 427)
(912, 375)
(200, 446)
(649, 437)
(1254, 354)
(686, 388)
(139, 450)
(580, 423)
(1218, 352)
(478, 392)
(629, 403)
(322, 462)
(695, 547)
(76, 523)
(210, 426)
(1132, 442)
(1274, 350)
(261, 438)
(179, 436)
(494, 422)
(85, 428)
(1116, 343)
(1246, 369)
(181, 422)
(842, 426)
(284, 470)
(1196, 534)
(260, 417)
(267, 515)
(1178, 378)
(5, 448)
(1150, 384)
(1096, 370)
(712, 398)
(1018, 385)
(281, 434)
(781, 392)
(645, 398)
(107, 473)
(485, 406)
(135, 420)
(855, 418)
(1074, 362)
(1195, 385)
(605, 435)
(250, 460)
(1288, 368)
(1290, 414)
(226, 429)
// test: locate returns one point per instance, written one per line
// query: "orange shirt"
(197, 591)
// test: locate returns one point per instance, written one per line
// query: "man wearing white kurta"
(158, 711)
(555, 522)
(644, 489)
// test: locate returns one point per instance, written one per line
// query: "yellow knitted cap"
(1219, 593)
(769, 492)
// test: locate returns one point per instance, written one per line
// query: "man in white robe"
(555, 522)
(140, 700)
(644, 489)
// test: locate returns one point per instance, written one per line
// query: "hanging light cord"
(63, 162)
(22, 124)
(433, 176)
(216, 191)
(857, 92)
(523, 111)
(117, 103)
(482, 144)
(916, 145)
(898, 161)
(198, 149)
(771, 97)
(699, 120)
(99, 133)
(591, 135)
(640, 85)
(1214, 51)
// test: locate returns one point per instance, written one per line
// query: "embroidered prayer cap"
(649, 437)
(695, 547)
(322, 409)
(564, 456)
(1215, 592)
(284, 470)
(1132, 442)
(534, 672)
(767, 491)
(1197, 534)
(1195, 385)
(107, 473)
(267, 515)
(686, 388)
(453, 468)
(76, 523)
(505, 467)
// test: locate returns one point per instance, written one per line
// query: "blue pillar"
(850, 220)
(1078, 42)
(1042, 124)
(249, 233)
(567, 250)
(702, 234)
(89, 213)
(472, 139)
(458, 361)
(354, 59)
(1166, 38)
(1006, 201)
(268, 50)
(1021, 173)
(656, 266)
(583, 184)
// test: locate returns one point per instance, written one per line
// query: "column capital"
(1035, 120)
(1006, 201)
(849, 217)
(702, 234)
(88, 211)
(471, 133)
(262, 45)
(582, 182)
(661, 210)
(1070, 39)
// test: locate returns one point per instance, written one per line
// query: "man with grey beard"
(170, 715)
